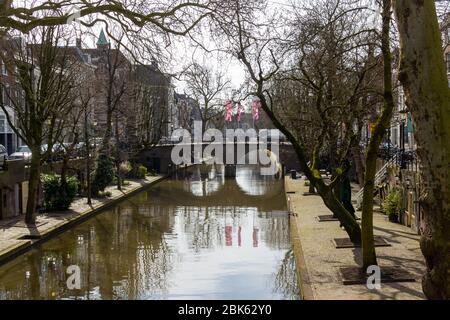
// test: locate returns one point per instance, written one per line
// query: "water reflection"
(168, 243)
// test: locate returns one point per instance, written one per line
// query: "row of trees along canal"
(316, 69)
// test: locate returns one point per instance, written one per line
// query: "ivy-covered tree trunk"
(423, 75)
(368, 245)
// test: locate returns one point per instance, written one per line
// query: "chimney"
(78, 43)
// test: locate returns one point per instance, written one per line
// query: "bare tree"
(76, 123)
(42, 98)
(151, 99)
(205, 85)
(114, 81)
(175, 17)
(381, 126)
(266, 52)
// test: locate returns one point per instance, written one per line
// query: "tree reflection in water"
(286, 278)
(171, 243)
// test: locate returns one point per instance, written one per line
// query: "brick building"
(9, 90)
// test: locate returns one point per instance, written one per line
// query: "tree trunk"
(119, 177)
(64, 169)
(349, 223)
(108, 132)
(368, 245)
(33, 186)
(359, 164)
(5, 5)
(88, 158)
(423, 75)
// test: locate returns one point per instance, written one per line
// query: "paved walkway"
(49, 224)
(319, 261)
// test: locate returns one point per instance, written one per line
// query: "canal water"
(197, 235)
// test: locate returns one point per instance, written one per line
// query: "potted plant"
(393, 205)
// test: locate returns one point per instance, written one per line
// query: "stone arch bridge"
(159, 158)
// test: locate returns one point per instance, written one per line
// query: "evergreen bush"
(104, 173)
(57, 197)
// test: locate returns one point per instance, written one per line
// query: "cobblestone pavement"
(320, 261)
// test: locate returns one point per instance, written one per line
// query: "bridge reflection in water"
(195, 236)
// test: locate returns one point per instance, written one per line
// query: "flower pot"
(393, 218)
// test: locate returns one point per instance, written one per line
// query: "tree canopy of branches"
(175, 17)
(41, 99)
(206, 86)
(314, 74)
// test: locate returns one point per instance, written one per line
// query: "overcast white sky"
(183, 51)
(235, 70)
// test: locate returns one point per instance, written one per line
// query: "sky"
(184, 52)
(234, 69)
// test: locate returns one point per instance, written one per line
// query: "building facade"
(186, 112)
(8, 137)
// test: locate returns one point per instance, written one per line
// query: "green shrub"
(393, 205)
(104, 173)
(141, 172)
(57, 197)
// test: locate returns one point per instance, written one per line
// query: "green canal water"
(195, 236)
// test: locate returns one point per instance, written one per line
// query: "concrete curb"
(306, 290)
(14, 251)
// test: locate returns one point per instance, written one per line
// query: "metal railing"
(403, 159)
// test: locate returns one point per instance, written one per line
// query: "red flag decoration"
(255, 237)
(228, 236)
(256, 104)
(228, 111)
(239, 112)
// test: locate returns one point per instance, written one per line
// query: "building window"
(4, 125)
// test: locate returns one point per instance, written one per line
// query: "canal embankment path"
(319, 262)
(16, 237)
